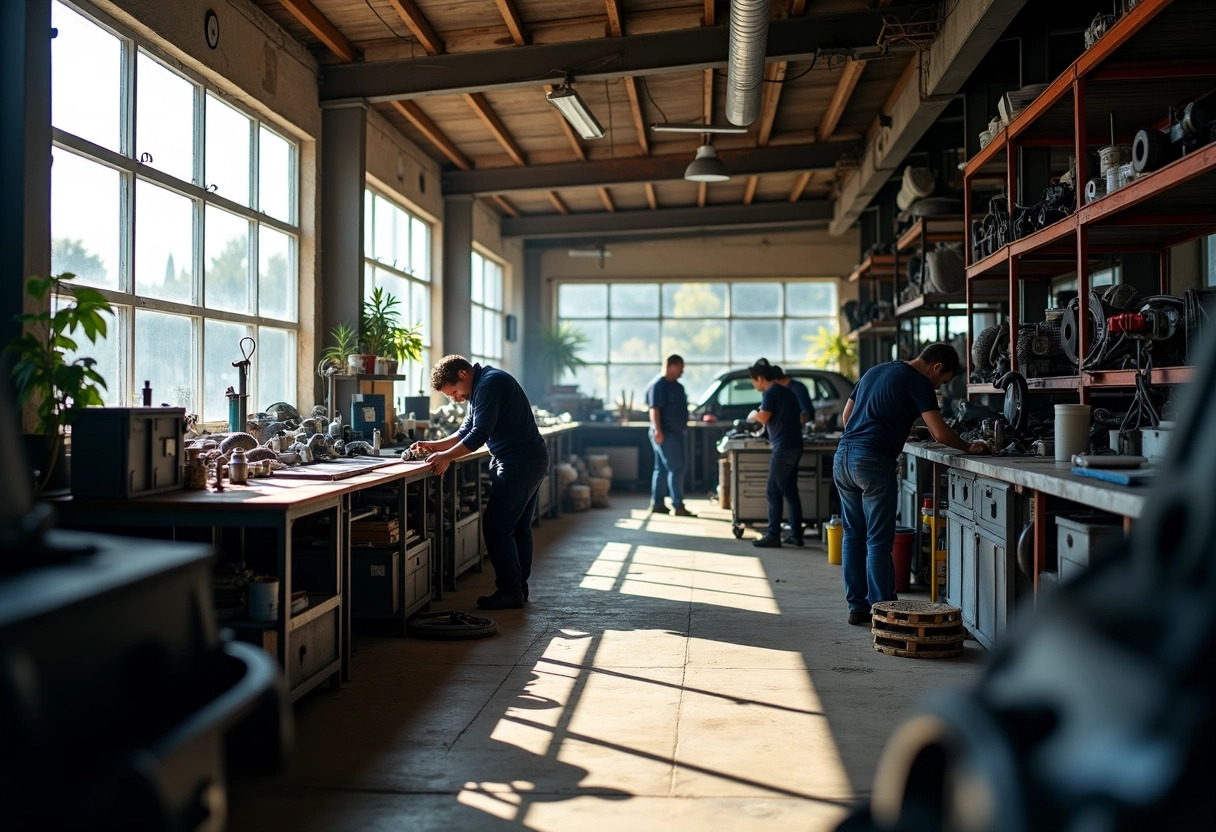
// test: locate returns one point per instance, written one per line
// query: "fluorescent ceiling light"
(697, 128)
(707, 167)
(571, 105)
(588, 252)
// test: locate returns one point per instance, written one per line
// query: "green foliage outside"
(831, 351)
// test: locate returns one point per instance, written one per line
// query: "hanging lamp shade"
(707, 167)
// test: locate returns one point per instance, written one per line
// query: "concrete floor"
(665, 676)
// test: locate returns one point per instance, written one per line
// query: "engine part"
(944, 271)
(1016, 393)
(1153, 324)
(1095, 189)
(1194, 127)
(1100, 26)
(1040, 351)
(992, 232)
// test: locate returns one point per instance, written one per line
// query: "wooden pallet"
(917, 613)
(917, 649)
(917, 631)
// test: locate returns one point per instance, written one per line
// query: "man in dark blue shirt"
(778, 412)
(499, 416)
(877, 418)
(807, 409)
(668, 423)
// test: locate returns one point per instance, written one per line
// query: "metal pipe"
(745, 60)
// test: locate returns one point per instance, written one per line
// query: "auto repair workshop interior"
(298, 296)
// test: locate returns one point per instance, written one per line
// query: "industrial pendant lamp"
(707, 167)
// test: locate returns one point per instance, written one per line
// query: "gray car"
(731, 396)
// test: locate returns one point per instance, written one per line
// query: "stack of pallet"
(375, 532)
(917, 629)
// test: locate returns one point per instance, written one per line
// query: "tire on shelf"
(450, 625)
(982, 348)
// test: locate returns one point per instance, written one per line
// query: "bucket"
(1072, 431)
(901, 554)
(264, 598)
(835, 530)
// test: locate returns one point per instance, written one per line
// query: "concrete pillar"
(343, 166)
(533, 321)
(457, 274)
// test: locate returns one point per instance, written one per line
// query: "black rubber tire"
(981, 349)
(450, 625)
(1151, 149)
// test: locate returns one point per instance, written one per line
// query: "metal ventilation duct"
(745, 66)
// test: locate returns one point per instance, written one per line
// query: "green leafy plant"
(407, 342)
(832, 351)
(557, 351)
(346, 344)
(379, 321)
(42, 374)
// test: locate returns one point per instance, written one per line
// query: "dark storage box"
(375, 582)
(127, 451)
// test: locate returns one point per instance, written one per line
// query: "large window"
(397, 259)
(486, 325)
(631, 327)
(182, 208)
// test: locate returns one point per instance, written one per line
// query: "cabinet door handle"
(303, 652)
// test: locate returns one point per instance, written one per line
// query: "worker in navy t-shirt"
(877, 418)
(807, 409)
(778, 412)
(668, 405)
(500, 417)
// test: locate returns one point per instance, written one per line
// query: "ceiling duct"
(745, 61)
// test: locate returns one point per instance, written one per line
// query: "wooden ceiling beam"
(418, 24)
(770, 97)
(806, 213)
(849, 77)
(709, 17)
(557, 203)
(707, 96)
(606, 198)
(800, 186)
(515, 25)
(702, 193)
(615, 24)
(413, 113)
(651, 199)
(749, 192)
(507, 207)
(499, 130)
(319, 25)
(635, 109)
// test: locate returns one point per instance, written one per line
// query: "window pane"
(369, 224)
(476, 280)
(85, 210)
(420, 249)
(86, 79)
(165, 357)
(634, 300)
(592, 380)
(227, 153)
(108, 353)
(420, 309)
(476, 331)
(396, 286)
(755, 299)
(494, 286)
(634, 341)
(799, 333)
(221, 346)
(275, 363)
(582, 300)
(625, 380)
(276, 274)
(226, 259)
(695, 340)
(694, 300)
(164, 243)
(494, 334)
(596, 348)
(276, 175)
(382, 233)
(697, 377)
(164, 118)
(401, 239)
(750, 340)
(803, 299)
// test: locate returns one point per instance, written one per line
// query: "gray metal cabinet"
(979, 580)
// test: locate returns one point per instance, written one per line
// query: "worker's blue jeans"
(668, 476)
(782, 488)
(507, 521)
(869, 497)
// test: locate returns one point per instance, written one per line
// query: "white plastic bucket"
(1072, 431)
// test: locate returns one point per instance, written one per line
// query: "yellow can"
(835, 530)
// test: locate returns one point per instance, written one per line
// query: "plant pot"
(38, 449)
(390, 366)
(363, 363)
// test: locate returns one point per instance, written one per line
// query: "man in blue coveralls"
(500, 416)
(778, 412)
(877, 419)
(668, 405)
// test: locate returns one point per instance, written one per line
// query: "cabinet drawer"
(992, 505)
(418, 575)
(468, 542)
(1080, 537)
(961, 492)
(314, 647)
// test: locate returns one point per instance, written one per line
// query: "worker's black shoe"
(860, 617)
(767, 542)
(658, 510)
(790, 540)
(680, 511)
(500, 600)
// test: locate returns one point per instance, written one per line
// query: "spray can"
(376, 440)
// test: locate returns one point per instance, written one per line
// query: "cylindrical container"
(998, 436)
(901, 554)
(238, 467)
(264, 598)
(1072, 431)
(376, 441)
(835, 532)
(1095, 189)
(724, 482)
(1112, 156)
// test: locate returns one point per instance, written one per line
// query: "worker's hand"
(422, 448)
(438, 463)
(978, 448)
(658, 436)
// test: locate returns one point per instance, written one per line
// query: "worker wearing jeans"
(877, 418)
(668, 423)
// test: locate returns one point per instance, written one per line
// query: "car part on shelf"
(1194, 127)
(1016, 394)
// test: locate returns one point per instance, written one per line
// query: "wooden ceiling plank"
(749, 193)
(557, 203)
(418, 24)
(702, 194)
(515, 25)
(615, 27)
(319, 25)
(709, 18)
(651, 199)
(606, 198)
(635, 108)
(799, 8)
(507, 207)
(499, 130)
(849, 77)
(800, 186)
(707, 96)
(413, 113)
(770, 97)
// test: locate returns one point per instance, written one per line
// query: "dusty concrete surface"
(665, 676)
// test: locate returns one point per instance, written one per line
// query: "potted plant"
(336, 357)
(407, 343)
(557, 351)
(42, 375)
(377, 325)
(831, 351)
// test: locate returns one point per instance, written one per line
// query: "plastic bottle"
(147, 391)
(410, 425)
(238, 467)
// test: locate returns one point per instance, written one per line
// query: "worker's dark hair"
(762, 369)
(674, 359)
(447, 370)
(943, 354)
